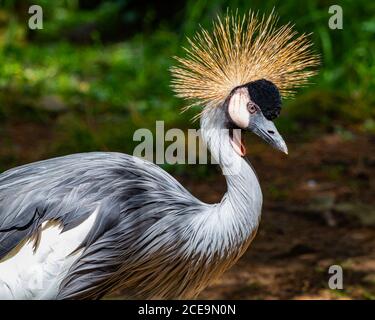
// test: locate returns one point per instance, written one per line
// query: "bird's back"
(134, 200)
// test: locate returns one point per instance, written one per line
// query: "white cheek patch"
(237, 107)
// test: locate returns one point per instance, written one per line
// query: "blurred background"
(98, 70)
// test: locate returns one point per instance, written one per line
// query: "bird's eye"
(251, 107)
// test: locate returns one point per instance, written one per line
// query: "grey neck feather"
(240, 209)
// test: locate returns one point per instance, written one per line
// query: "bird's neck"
(239, 210)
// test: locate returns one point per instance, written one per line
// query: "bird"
(89, 225)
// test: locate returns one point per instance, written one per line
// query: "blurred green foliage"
(98, 70)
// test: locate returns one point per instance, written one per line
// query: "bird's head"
(253, 107)
(245, 64)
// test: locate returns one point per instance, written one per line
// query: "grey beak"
(267, 131)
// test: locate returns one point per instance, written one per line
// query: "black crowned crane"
(86, 225)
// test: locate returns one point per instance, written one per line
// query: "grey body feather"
(151, 237)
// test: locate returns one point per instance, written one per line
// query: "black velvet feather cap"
(266, 95)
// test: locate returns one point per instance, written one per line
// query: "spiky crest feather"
(241, 49)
